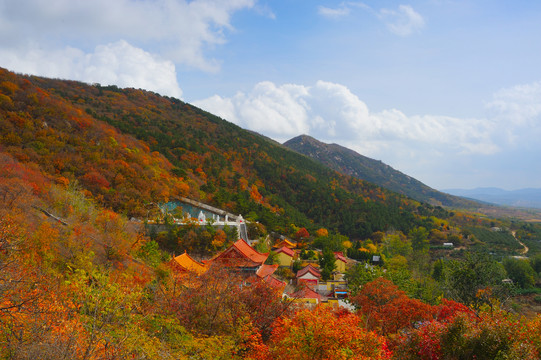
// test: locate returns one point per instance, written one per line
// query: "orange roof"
(250, 252)
(241, 254)
(189, 264)
(286, 243)
(309, 269)
(286, 251)
(266, 270)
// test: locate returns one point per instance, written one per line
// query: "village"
(285, 268)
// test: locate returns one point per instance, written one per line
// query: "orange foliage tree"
(324, 334)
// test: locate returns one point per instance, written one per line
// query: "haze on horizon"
(446, 91)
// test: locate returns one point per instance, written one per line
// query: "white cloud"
(117, 63)
(341, 11)
(124, 42)
(274, 110)
(404, 21)
(518, 105)
(176, 29)
(344, 9)
(425, 146)
(332, 112)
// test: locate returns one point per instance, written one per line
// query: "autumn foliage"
(324, 334)
(386, 309)
(80, 168)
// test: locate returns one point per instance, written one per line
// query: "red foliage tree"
(386, 309)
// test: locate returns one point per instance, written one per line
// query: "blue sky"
(446, 91)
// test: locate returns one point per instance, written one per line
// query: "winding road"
(526, 249)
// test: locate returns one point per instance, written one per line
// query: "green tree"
(419, 239)
(536, 263)
(327, 263)
(520, 271)
(361, 274)
(476, 274)
(396, 244)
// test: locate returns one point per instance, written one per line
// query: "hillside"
(130, 148)
(351, 163)
(82, 275)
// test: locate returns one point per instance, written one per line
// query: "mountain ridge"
(349, 162)
(128, 148)
(525, 198)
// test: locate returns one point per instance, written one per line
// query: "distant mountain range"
(530, 198)
(351, 163)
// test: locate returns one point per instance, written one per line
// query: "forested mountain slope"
(351, 163)
(78, 132)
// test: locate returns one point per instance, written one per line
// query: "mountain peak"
(349, 162)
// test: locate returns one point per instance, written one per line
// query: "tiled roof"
(250, 252)
(266, 270)
(340, 256)
(274, 282)
(286, 243)
(308, 269)
(286, 251)
(189, 264)
(242, 255)
(306, 293)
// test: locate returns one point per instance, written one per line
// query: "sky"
(446, 91)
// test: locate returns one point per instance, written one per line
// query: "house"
(286, 243)
(266, 270)
(274, 282)
(186, 263)
(242, 256)
(340, 262)
(308, 275)
(305, 296)
(285, 256)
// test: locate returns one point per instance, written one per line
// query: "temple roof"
(241, 254)
(286, 251)
(309, 269)
(340, 256)
(187, 263)
(274, 282)
(266, 270)
(286, 243)
(305, 293)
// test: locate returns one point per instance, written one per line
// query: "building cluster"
(307, 286)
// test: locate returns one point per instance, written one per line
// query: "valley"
(97, 263)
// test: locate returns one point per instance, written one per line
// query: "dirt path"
(526, 249)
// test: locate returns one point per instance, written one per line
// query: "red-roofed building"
(274, 282)
(307, 296)
(285, 256)
(308, 275)
(341, 262)
(286, 243)
(241, 256)
(266, 270)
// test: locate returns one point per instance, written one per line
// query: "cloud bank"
(332, 113)
(116, 63)
(110, 37)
